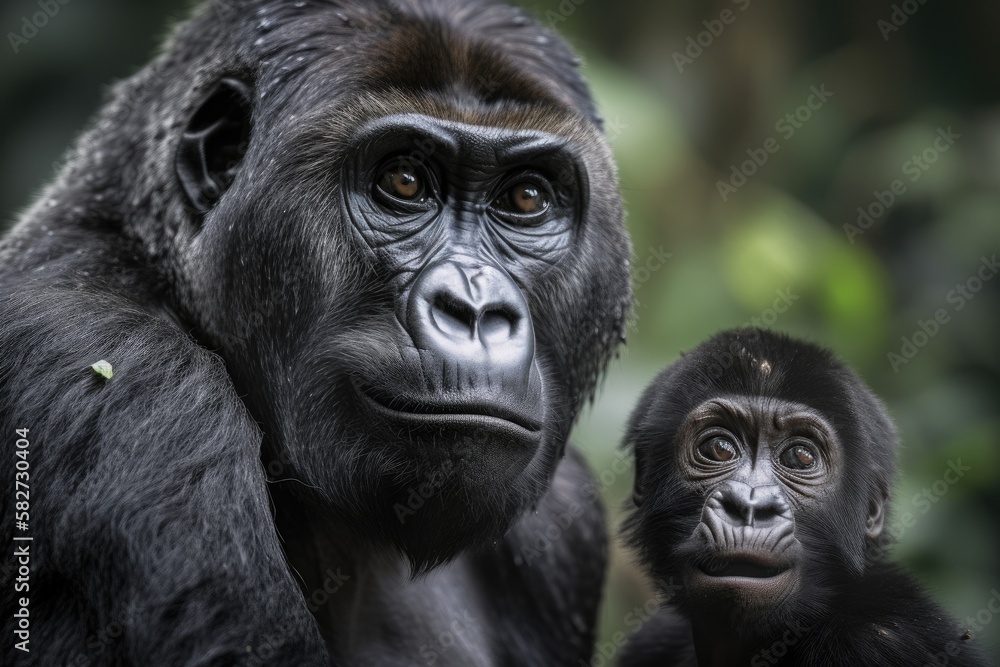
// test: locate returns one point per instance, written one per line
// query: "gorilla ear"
(214, 142)
(876, 517)
(638, 485)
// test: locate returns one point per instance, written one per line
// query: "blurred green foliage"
(678, 132)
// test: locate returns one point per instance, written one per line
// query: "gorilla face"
(763, 469)
(460, 236)
(763, 466)
(414, 285)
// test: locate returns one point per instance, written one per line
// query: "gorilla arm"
(149, 513)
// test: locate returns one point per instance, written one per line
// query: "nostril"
(743, 505)
(736, 509)
(452, 317)
(458, 319)
(768, 503)
(765, 513)
(497, 326)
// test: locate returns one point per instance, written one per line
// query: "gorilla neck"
(715, 651)
(370, 609)
(725, 640)
(443, 607)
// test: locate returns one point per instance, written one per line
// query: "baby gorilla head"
(763, 468)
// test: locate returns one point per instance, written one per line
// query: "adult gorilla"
(374, 252)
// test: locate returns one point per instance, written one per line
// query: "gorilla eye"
(524, 201)
(528, 198)
(402, 182)
(798, 457)
(719, 450)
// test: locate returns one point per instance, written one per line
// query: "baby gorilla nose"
(739, 518)
(740, 505)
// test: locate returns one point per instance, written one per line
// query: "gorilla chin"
(476, 441)
(470, 401)
(434, 518)
(470, 434)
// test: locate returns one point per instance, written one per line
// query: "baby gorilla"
(763, 473)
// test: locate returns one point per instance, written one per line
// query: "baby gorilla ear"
(638, 487)
(214, 142)
(637, 426)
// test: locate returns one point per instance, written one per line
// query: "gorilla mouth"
(749, 566)
(481, 414)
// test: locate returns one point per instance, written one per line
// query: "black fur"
(222, 499)
(852, 606)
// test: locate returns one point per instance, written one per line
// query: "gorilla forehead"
(756, 362)
(483, 144)
(473, 53)
(316, 131)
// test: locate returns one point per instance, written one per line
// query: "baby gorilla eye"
(528, 198)
(402, 182)
(798, 457)
(719, 450)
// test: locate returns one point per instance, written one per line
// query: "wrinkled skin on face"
(763, 472)
(760, 463)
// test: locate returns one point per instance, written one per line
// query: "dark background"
(677, 131)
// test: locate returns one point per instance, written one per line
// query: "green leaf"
(104, 369)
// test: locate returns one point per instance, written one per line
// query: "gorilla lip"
(742, 565)
(493, 416)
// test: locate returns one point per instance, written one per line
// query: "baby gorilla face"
(757, 463)
(763, 467)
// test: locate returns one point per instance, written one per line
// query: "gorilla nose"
(471, 310)
(740, 504)
(459, 319)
